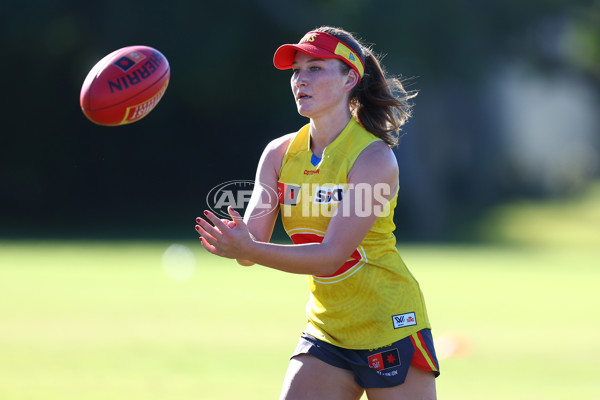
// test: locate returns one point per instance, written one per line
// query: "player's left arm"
(372, 183)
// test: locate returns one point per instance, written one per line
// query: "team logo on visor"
(309, 37)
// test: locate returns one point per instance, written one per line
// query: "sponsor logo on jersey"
(404, 320)
(384, 360)
(311, 172)
(327, 199)
(288, 193)
(328, 195)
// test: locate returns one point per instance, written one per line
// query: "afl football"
(124, 86)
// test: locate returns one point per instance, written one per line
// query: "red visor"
(320, 45)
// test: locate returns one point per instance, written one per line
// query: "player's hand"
(225, 238)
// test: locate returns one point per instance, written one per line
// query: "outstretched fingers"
(219, 224)
(235, 216)
(212, 235)
(207, 246)
(207, 231)
(223, 237)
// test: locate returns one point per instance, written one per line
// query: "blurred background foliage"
(509, 94)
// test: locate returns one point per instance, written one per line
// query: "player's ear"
(352, 79)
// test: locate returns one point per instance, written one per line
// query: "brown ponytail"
(380, 104)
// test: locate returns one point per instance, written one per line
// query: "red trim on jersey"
(303, 238)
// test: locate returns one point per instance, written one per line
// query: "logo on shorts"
(403, 320)
(384, 360)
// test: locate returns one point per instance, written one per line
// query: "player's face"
(319, 86)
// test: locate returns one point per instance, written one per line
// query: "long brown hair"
(379, 103)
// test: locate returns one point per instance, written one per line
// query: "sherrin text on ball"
(125, 86)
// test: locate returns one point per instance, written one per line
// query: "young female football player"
(337, 185)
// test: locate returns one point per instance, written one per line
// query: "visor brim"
(285, 54)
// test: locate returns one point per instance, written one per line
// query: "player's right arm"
(262, 210)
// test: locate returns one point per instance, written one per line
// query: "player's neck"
(323, 131)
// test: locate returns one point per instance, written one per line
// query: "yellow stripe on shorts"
(423, 351)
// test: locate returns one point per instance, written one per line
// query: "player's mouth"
(302, 96)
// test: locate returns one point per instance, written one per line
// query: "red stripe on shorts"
(422, 357)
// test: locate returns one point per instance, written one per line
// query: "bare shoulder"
(272, 157)
(378, 157)
(376, 165)
(282, 141)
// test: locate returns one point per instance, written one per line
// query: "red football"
(124, 86)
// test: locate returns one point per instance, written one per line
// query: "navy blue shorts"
(379, 368)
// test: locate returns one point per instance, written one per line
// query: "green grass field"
(105, 321)
(110, 320)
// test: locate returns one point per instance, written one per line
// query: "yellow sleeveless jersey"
(372, 300)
